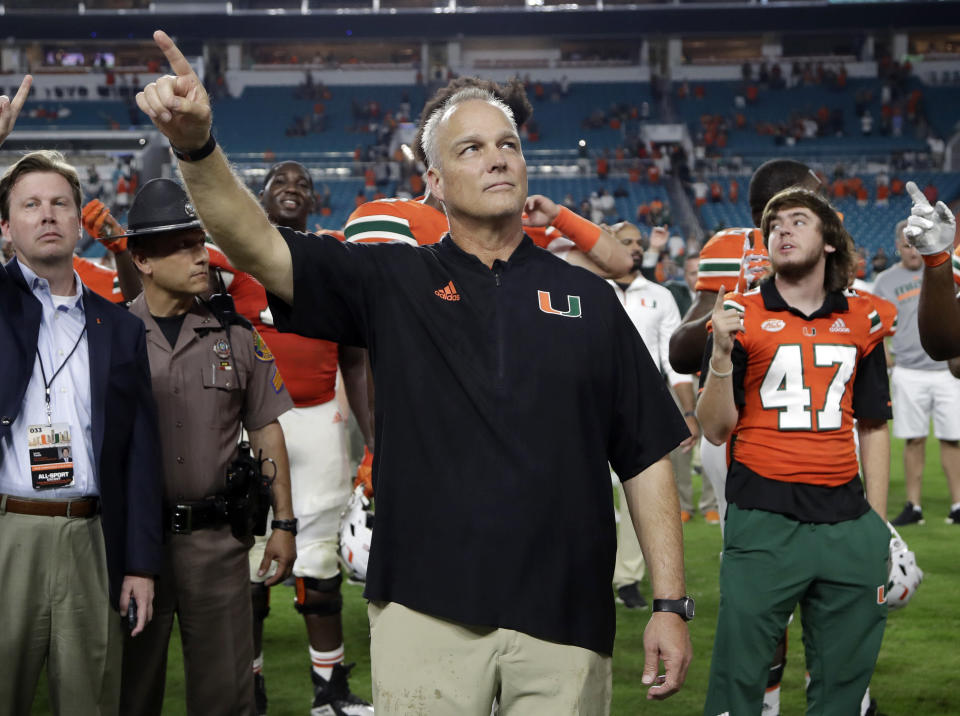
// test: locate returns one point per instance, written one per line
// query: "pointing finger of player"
(721, 294)
(918, 198)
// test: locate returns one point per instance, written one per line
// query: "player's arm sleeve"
(265, 397)
(871, 387)
(739, 359)
(646, 424)
(719, 265)
(331, 282)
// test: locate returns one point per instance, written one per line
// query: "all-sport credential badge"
(573, 305)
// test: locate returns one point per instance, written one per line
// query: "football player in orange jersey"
(316, 443)
(790, 365)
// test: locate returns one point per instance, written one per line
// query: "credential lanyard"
(46, 383)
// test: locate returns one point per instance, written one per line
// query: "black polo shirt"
(501, 395)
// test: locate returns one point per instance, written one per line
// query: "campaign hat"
(161, 206)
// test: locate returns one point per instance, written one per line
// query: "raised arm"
(931, 229)
(596, 243)
(717, 410)
(179, 107)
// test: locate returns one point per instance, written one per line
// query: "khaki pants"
(629, 566)
(425, 665)
(55, 608)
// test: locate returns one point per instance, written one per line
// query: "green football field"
(916, 673)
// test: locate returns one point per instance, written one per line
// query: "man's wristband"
(583, 233)
(197, 154)
(288, 525)
(936, 259)
(717, 373)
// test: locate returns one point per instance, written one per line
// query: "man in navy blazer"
(80, 536)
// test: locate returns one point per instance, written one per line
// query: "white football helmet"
(905, 575)
(356, 533)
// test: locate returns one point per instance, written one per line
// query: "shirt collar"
(835, 301)
(40, 287)
(449, 247)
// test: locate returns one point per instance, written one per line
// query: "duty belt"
(186, 517)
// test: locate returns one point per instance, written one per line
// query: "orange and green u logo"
(573, 305)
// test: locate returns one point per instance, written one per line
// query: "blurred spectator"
(879, 262)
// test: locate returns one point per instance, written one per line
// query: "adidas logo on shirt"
(448, 292)
(839, 327)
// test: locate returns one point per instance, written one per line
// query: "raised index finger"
(721, 294)
(178, 63)
(916, 195)
(17, 103)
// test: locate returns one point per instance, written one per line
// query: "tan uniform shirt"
(207, 387)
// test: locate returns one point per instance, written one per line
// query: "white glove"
(930, 230)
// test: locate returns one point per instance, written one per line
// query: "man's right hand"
(930, 229)
(727, 322)
(658, 237)
(177, 104)
(10, 109)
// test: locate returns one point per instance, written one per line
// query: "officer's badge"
(260, 348)
(221, 349)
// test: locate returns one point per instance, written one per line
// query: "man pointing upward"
(473, 309)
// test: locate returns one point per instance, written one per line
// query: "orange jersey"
(99, 279)
(734, 259)
(886, 309)
(796, 420)
(407, 221)
(410, 221)
(308, 365)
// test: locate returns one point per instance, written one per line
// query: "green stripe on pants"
(835, 572)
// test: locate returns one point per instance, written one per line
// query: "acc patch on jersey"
(773, 325)
(260, 348)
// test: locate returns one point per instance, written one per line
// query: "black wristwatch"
(288, 525)
(684, 607)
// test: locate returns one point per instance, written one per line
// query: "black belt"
(186, 517)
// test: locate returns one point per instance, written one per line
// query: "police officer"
(212, 376)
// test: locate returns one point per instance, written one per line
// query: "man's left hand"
(665, 639)
(540, 211)
(282, 548)
(141, 590)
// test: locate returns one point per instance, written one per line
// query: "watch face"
(689, 607)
